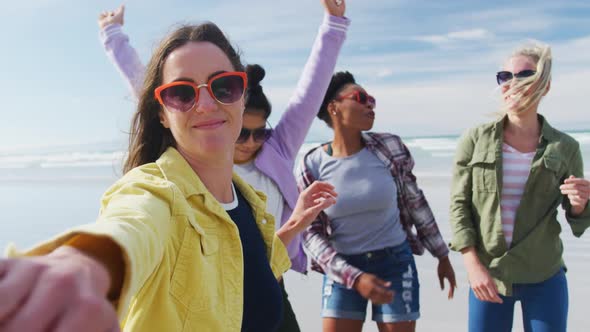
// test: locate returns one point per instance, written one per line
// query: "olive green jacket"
(536, 250)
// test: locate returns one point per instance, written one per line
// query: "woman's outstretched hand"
(63, 291)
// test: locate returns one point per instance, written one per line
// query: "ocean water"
(43, 190)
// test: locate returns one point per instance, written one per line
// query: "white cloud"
(470, 35)
(385, 72)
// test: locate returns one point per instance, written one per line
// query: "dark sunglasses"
(505, 76)
(360, 96)
(259, 135)
(181, 96)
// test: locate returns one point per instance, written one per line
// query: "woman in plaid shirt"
(365, 242)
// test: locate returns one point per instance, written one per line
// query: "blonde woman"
(510, 177)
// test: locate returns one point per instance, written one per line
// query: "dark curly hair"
(338, 81)
(256, 100)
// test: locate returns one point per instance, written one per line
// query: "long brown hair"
(148, 138)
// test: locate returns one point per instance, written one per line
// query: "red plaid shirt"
(413, 207)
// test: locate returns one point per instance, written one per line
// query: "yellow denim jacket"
(183, 254)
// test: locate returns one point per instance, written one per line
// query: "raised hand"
(373, 288)
(445, 271)
(63, 291)
(111, 17)
(317, 197)
(335, 7)
(313, 200)
(577, 191)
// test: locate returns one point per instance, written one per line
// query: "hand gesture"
(482, 283)
(577, 191)
(313, 200)
(335, 7)
(373, 288)
(63, 291)
(445, 271)
(111, 17)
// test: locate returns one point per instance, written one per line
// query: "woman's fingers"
(491, 292)
(381, 293)
(16, 285)
(321, 186)
(34, 313)
(478, 293)
(575, 191)
(77, 317)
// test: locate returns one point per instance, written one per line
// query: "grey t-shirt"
(365, 216)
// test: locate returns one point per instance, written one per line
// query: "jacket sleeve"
(316, 243)
(581, 222)
(135, 216)
(420, 211)
(464, 234)
(305, 102)
(124, 57)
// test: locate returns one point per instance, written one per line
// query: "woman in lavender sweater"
(263, 157)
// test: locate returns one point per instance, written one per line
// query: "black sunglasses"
(259, 135)
(505, 76)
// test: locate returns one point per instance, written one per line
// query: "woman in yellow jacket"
(181, 244)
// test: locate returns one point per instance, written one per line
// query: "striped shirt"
(515, 172)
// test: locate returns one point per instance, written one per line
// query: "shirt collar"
(547, 132)
(177, 170)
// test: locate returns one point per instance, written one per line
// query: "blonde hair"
(541, 54)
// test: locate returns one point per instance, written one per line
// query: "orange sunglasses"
(181, 96)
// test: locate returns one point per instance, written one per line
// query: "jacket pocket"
(190, 284)
(483, 171)
(548, 176)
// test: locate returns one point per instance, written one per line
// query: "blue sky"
(430, 64)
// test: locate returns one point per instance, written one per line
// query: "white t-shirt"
(261, 182)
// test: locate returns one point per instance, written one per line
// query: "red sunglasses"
(360, 96)
(181, 96)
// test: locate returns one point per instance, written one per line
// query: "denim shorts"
(395, 264)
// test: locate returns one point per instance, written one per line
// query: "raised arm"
(305, 102)
(119, 50)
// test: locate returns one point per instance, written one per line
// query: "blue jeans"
(544, 308)
(395, 264)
